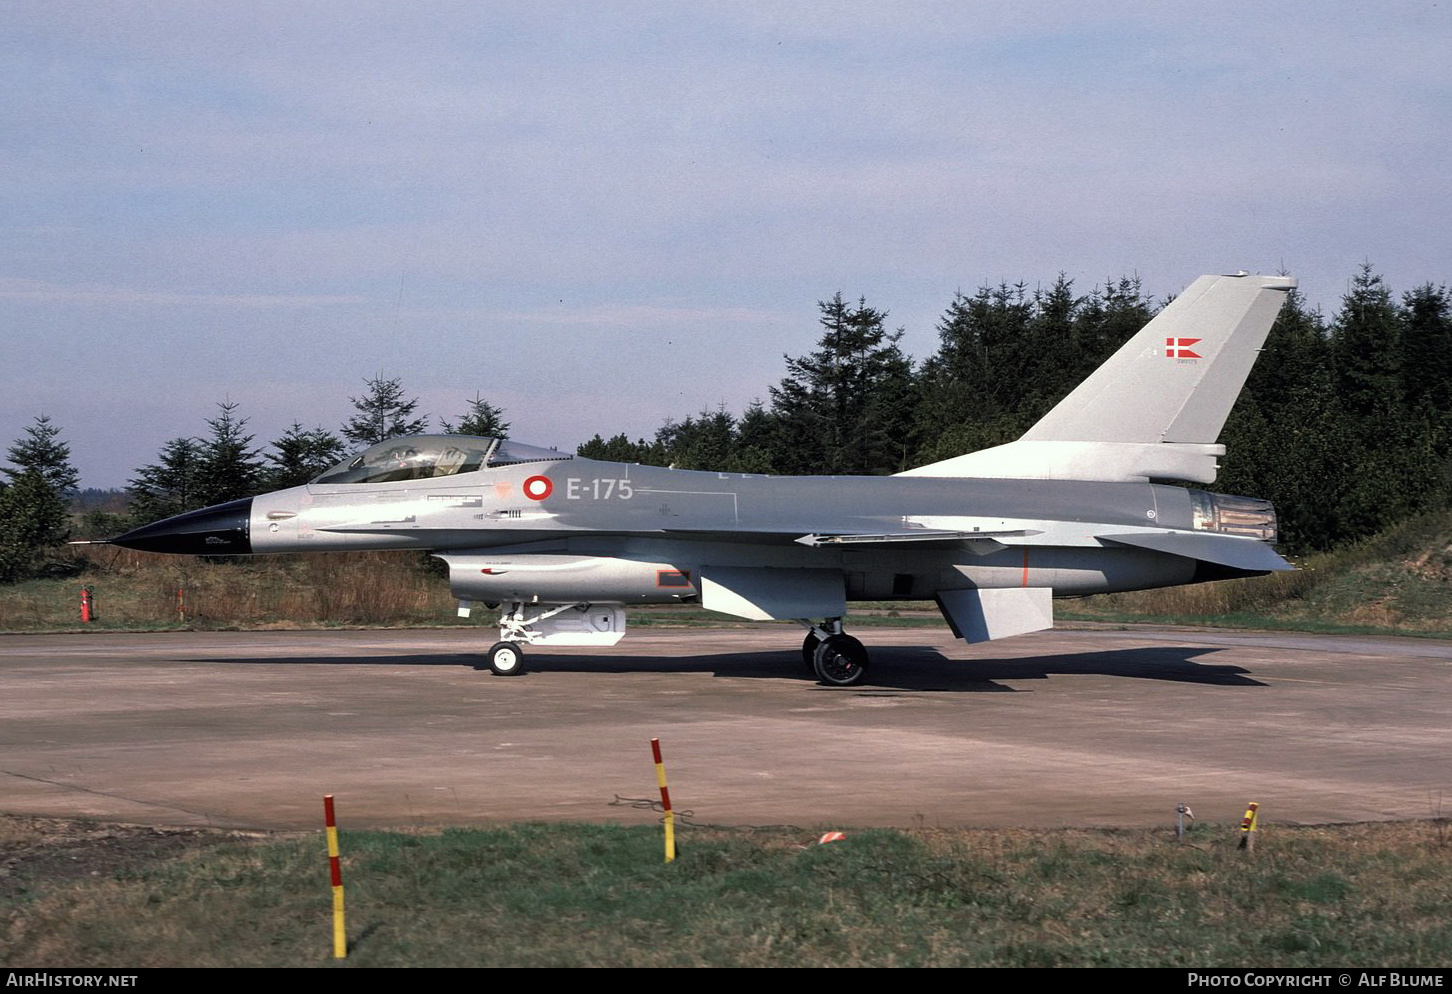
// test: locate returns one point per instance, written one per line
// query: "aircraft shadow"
(906, 668)
(923, 669)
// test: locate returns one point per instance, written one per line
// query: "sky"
(600, 216)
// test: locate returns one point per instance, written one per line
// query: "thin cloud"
(34, 290)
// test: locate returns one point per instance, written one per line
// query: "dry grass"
(1397, 581)
(143, 590)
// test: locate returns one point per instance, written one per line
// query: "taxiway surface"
(250, 729)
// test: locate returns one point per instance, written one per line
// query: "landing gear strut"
(837, 659)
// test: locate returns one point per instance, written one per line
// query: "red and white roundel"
(538, 487)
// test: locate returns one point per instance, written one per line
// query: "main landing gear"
(834, 657)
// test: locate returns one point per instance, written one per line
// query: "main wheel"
(840, 661)
(809, 651)
(506, 658)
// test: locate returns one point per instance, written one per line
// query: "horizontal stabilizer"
(983, 615)
(767, 594)
(1247, 554)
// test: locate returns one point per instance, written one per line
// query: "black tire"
(506, 658)
(840, 661)
(809, 651)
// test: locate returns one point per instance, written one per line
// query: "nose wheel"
(505, 658)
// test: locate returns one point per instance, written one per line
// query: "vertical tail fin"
(1156, 407)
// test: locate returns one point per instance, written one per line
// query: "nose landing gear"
(506, 658)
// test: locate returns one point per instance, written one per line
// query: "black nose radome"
(220, 530)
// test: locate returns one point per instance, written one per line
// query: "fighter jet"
(564, 543)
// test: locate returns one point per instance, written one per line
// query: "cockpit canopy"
(425, 457)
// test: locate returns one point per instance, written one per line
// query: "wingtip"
(1281, 281)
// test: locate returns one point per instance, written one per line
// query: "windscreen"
(420, 457)
(426, 457)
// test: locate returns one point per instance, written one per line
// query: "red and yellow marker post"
(1248, 825)
(665, 802)
(340, 933)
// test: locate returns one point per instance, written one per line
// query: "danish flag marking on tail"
(1178, 348)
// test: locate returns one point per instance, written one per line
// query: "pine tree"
(707, 441)
(1287, 438)
(847, 407)
(1107, 319)
(1297, 351)
(301, 455)
(621, 449)
(1005, 357)
(756, 432)
(1366, 340)
(482, 418)
(1426, 347)
(1427, 377)
(32, 520)
(383, 413)
(42, 450)
(1390, 467)
(33, 507)
(972, 388)
(230, 469)
(171, 485)
(1053, 349)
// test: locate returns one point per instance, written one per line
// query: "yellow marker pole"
(665, 801)
(1248, 825)
(340, 933)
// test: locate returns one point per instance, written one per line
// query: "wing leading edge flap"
(983, 615)
(763, 593)
(1223, 550)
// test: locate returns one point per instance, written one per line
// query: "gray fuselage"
(532, 520)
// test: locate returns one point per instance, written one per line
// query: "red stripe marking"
(1025, 567)
(335, 870)
(655, 749)
(328, 818)
(665, 799)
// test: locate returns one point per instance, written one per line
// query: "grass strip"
(600, 895)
